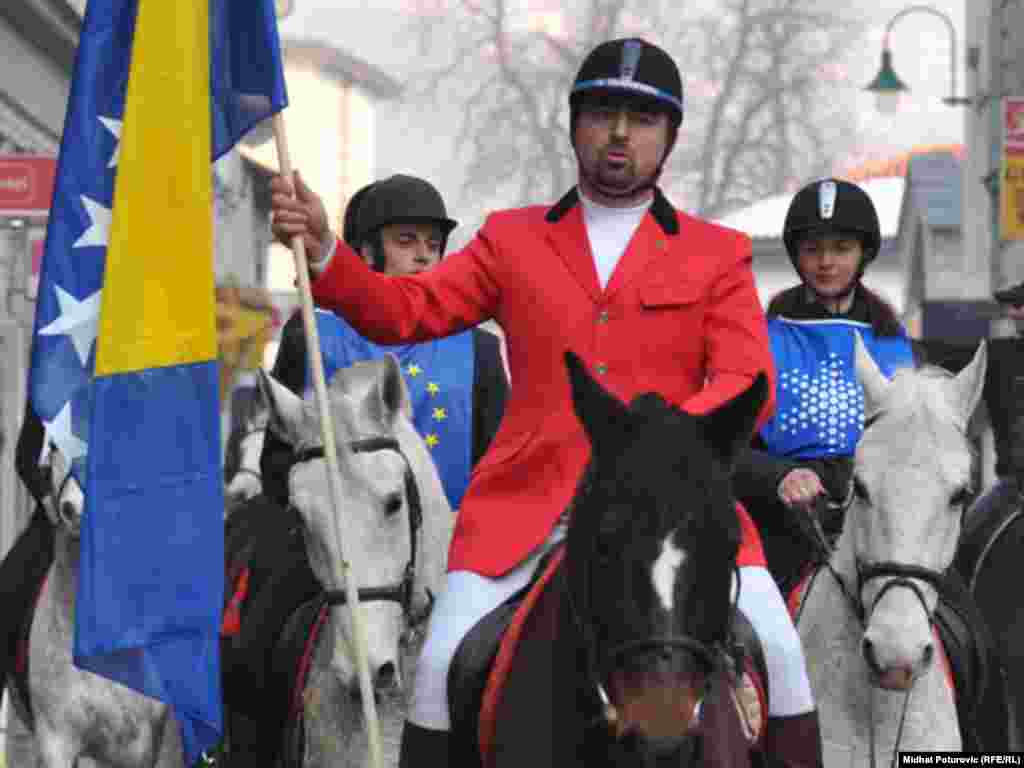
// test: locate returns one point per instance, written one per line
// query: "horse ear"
(389, 395)
(967, 387)
(730, 426)
(600, 413)
(871, 378)
(286, 413)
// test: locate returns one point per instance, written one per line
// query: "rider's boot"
(793, 741)
(423, 747)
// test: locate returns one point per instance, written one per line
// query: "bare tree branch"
(764, 106)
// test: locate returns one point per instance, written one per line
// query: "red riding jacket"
(680, 316)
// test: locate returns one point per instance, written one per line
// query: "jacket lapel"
(569, 237)
(648, 243)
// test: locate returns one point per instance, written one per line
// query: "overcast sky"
(414, 143)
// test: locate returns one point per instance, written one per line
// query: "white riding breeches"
(468, 597)
(788, 685)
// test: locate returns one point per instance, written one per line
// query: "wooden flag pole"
(316, 362)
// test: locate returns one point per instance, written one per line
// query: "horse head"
(66, 502)
(651, 552)
(394, 516)
(242, 457)
(911, 478)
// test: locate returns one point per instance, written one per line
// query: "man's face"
(620, 142)
(411, 247)
(828, 264)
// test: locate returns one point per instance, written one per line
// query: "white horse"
(74, 713)
(865, 619)
(398, 525)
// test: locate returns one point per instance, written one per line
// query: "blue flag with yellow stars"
(819, 405)
(439, 375)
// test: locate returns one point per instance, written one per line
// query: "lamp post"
(887, 85)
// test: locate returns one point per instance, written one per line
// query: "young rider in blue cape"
(457, 384)
(806, 449)
(804, 454)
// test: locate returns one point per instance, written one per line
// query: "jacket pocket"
(669, 295)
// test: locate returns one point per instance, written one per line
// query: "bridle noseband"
(402, 592)
(711, 656)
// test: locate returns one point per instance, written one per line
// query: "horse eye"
(393, 504)
(860, 490)
(960, 497)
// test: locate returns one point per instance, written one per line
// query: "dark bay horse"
(643, 602)
(988, 559)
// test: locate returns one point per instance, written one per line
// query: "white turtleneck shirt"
(609, 231)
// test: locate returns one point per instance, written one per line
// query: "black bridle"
(712, 657)
(402, 592)
(903, 575)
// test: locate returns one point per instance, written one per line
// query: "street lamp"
(887, 85)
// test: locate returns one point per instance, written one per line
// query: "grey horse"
(74, 713)
(380, 454)
(874, 661)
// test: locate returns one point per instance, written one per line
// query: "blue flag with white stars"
(819, 405)
(439, 375)
(246, 86)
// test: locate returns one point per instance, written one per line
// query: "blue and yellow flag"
(123, 371)
(439, 375)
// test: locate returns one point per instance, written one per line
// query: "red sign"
(26, 185)
(1013, 115)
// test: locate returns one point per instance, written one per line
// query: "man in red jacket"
(650, 298)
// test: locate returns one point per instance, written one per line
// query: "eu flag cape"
(439, 375)
(123, 369)
(819, 406)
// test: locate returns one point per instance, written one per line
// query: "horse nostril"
(868, 649)
(386, 675)
(67, 511)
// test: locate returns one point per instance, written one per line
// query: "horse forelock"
(660, 505)
(918, 426)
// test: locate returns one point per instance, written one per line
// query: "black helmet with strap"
(832, 207)
(401, 198)
(396, 199)
(632, 67)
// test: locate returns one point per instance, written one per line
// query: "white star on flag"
(114, 126)
(98, 232)
(59, 432)
(79, 320)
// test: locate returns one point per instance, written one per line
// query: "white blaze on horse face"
(663, 572)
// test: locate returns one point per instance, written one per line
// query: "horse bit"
(402, 592)
(711, 656)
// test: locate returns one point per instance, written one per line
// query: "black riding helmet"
(399, 198)
(832, 207)
(635, 69)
